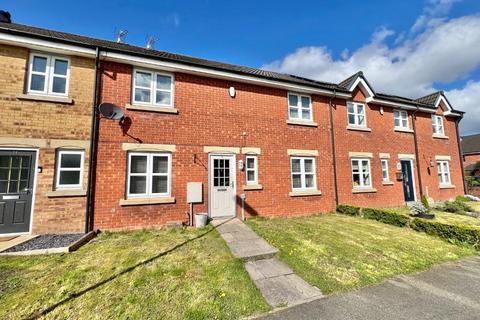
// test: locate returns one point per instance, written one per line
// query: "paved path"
(275, 280)
(448, 291)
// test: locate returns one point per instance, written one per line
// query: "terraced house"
(256, 142)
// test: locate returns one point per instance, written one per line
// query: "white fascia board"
(363, 85)
(44, 45)
(178, 67)
(399, 105)
(440, 99)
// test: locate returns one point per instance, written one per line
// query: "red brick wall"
(208, 116)
(470, 158)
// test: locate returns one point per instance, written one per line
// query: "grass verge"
(165, 274)
(338, 252)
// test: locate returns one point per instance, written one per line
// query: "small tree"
(425, 203)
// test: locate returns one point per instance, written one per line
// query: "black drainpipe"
(460, 153)
(332, 134)
(93, 145)
(417, 156)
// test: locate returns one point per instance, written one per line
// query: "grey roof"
(403, 100)
(471, 144)
(430, 99)
(347, 83)
(20, 29)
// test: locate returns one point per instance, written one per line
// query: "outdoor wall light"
(231, 92)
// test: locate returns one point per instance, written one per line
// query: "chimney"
(5, 17)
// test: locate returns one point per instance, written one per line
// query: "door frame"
(234, 179)
(412, 168)
(34, 189)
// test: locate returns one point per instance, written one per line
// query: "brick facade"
(208, 116)
(46, 127)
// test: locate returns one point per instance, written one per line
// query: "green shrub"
(425, 203)
(349, 210)
(387, 217)
(418, 208)
(462, 199)
(454, 233)
(458, 207)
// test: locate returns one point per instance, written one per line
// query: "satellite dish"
(111, 111)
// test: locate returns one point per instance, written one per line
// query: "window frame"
(400, 118)
(149, 175)
(58, 170)
(153, 88)
(361, 173)
(48, 74)
(254, 169)
(435, 125)
(441, 174)
(386, 177)
(299, 106)
(302, 173)
(356, 114)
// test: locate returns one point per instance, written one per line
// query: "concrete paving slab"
(13, 241)
(268, 268)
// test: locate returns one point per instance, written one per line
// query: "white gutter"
(178, 67)
(38, 44)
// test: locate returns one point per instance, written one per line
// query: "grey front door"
(16, 185)
(408, 191)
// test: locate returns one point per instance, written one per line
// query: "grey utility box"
(194, 192)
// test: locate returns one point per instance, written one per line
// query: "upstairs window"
(437, 125)
(443, 172)
(356, 114)
(153, 88)
(69, 169)
(251, 170)
(361, 173)
(48, 75)
(400, 119)
(299, 107)
(303, 173)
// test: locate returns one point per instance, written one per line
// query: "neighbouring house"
(471, 154)
(258, 142)
(46, 95)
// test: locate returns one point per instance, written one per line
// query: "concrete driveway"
(448, 291)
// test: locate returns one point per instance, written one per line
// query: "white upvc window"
(356, 114)
(299, 107)
(400, 118)
(48, 75)
(385, 174)
(69, 173)
(153, 88)
(361, 174)
(304, 175)
(251, 170)
(437, 125)
(149, 175)
(443, 168)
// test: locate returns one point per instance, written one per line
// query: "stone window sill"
(447, 186)
(146, 201)
(365, 190)
(151, 108)
(353, 128)
(387, 183)
(66, 193)
(305, 193)
(302, 123)
(252, 187)
(439, 136)
(54, 99)
(407, 130)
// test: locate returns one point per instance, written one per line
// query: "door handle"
(27, 190)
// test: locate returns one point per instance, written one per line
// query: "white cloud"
(467, 98)
(433, 13)
(442, 51)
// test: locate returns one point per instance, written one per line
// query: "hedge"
(387, 217)
(455, 233)
(349, 210)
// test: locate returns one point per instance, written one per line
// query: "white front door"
(222, 186)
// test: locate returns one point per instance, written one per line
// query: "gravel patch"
(47, 241)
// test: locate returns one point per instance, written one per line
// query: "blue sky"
(325, 40)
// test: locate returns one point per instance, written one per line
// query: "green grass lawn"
(140, 275)
(336, 252)
(474, 205)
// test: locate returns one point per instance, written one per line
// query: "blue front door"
(408, 191)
